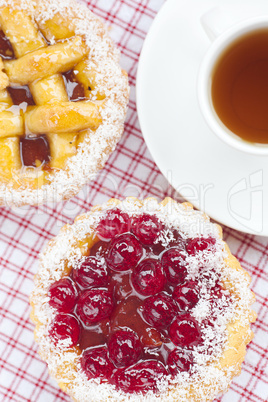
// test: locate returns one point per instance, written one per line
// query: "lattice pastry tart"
(140, 301)
(63, 99)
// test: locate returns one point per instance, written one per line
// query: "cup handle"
(215, 21)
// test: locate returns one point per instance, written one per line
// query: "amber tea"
(240, 87)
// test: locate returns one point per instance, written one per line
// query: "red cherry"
(95, 363)
(94, 305)
(148, 277)
(91, 273)
(178, 241)
(179, 360)
(140, 378)
(185, 331)
(159, 310)
(186, 295)
(173, 262)
(174, 239)
(124, 252)
(198, 244)
(124, 348)
(99, 249)
(65, 330)
(62, 295)
(113, 223)
(147, 228)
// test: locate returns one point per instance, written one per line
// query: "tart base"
(80, 237)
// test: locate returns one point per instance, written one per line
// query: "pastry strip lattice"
(39, 65)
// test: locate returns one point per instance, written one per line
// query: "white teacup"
(220, 42)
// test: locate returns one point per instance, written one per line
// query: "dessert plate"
(227, 184)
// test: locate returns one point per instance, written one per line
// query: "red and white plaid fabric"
(129, 171)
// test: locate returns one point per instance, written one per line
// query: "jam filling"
(20, 95)
(128, 305)
(6, 51)
(75, 89)
(34, 151)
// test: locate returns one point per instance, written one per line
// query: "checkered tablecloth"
(129, 171)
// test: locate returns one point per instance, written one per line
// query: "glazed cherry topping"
(99, 249)
(127, 314)
(159, 310)
(173, 262)
(94, 305)
(95, 363)
(147, 228)
(128, 305)
(62, 295)
(124, 252)
(148, 277)
(180, 360)
(200, 244)
(186, 295)
(120, 286)
(141, 377)
(91, 273)
(65, 329)
(185, 331)
(124, 348)
(115, 222)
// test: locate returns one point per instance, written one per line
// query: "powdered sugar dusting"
(208, 377)
(103, 58)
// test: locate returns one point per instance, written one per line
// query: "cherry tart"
(140, 300)
(63, 99)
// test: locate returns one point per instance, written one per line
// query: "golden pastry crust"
(79, 238)
(51, 37)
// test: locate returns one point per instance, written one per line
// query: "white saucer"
(230, 186)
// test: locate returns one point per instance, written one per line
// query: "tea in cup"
(233, 86)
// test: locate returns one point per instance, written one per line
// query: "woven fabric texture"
(129, 171)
